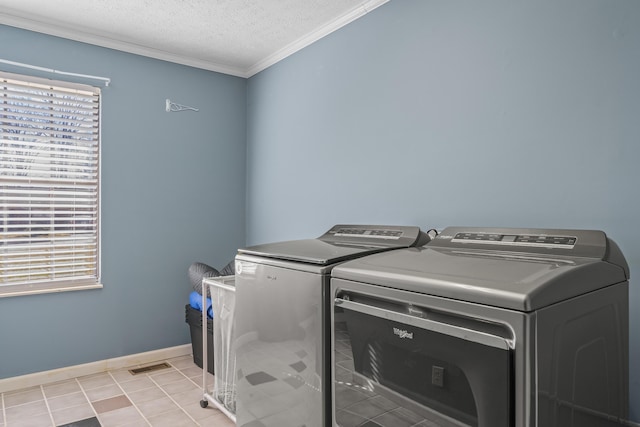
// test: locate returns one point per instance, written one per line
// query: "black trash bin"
(194, 318)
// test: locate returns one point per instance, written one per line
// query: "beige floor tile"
(176, 418)
(198, 413)
(123, 375)
(216, 420)
(75, 413)
(61, 388)
(188, 397)
(41, 420)
(181, 362)
(209, 379)
(17, 413)
(102, 393)
(67, 401)
(162, 378)
(136, 384)
(146, 395)
(140, 423)
(156, 407)
(192, 372)
(95, 381)
(20, 397)
(121, 417)
(179, 386)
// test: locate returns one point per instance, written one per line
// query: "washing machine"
(282, 324)
(486, 327)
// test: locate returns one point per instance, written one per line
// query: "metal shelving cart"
(223, 395)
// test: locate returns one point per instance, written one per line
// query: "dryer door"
(395, 366)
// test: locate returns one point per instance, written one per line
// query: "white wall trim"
(61, 374)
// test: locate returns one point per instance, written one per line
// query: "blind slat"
(27, 251)
(30, 89)
(17, 102)
(41, 143)
(64, 130)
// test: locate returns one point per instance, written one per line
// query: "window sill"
(45, 288)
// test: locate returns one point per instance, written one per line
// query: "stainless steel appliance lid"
(522, 277)
(340, 243)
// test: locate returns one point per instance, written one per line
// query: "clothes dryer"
(486, 327)
(282, 321)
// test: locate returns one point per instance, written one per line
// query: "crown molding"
(314, 36)
(58, 29)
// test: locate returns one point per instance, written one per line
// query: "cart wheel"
(204, 403)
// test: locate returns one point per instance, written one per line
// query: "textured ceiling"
(238, 37)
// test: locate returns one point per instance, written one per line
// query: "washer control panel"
(371, 233)
(380, 235)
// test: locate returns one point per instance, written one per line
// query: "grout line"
(86, 397)
(46, 402)
(184, 375)
(169, 396)
(109, 372)
(4, 412)
(129, 398)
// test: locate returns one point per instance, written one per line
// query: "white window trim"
(64, 284)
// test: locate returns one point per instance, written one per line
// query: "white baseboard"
(61, 374)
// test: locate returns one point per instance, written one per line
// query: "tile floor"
(165, 397)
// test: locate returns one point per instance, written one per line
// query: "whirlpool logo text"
(403, 333)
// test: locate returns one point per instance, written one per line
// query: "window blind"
(49, 181)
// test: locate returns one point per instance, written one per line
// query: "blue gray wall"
(172, 193)
(433, 113)
(436, 113)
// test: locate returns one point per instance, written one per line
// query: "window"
(49, 185)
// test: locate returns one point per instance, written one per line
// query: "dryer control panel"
(563, 242)
(542, 240)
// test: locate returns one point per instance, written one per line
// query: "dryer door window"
(392, 369)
